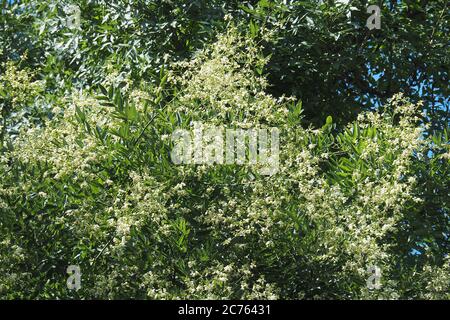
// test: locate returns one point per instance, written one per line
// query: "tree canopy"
(92, 92)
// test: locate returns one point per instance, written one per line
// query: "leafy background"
(86, 175)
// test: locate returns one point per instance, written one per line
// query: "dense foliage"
(87, 113)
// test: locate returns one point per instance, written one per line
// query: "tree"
(87, 179)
